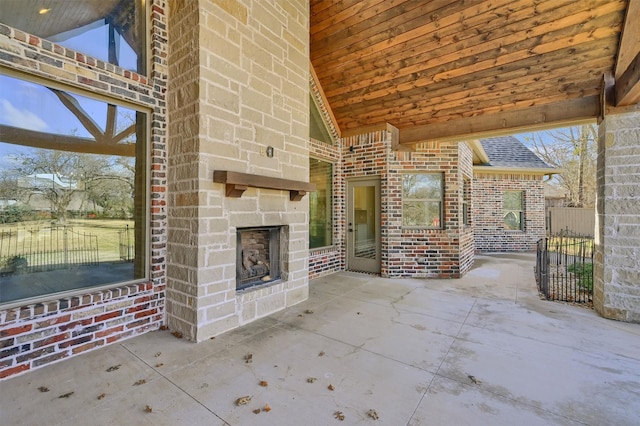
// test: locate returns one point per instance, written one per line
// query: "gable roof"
(507, 152)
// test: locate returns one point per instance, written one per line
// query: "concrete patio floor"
(481, 350)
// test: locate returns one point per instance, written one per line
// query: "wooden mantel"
(237, 183)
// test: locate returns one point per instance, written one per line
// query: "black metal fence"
(564, 267)
(45, 249)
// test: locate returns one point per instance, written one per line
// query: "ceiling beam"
(628, 84)
(558, 114)
(627, 71)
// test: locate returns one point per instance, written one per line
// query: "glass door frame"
(354, 262)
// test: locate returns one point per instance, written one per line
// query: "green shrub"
(584, 274)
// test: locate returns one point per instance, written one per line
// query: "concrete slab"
(483, 349)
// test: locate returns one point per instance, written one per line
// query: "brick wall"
(245, 90)
(617, 243)
(487, 212)
(411, 252)
(35, 335)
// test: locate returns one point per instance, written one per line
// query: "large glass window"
(422, 196)
(72, 191)
(109, 30)
(320, 204)
(512, 205)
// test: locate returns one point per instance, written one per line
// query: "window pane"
(422, 200)
(422, 186)
(512, 210)
(317, 129)
(320, 204)
(513, 200)
(72, 191)
(110, 30)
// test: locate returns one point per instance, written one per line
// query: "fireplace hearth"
(258, 256)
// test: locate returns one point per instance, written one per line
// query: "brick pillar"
(617, 242)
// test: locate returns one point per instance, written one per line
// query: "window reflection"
(109, 30)
(320, 204)
(72, 191)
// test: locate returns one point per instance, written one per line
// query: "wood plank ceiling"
(441, 68)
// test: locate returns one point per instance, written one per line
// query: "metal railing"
(564, 267)
(45, 249)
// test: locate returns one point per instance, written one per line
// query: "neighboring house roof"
(507, 153)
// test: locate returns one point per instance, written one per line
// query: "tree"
(59, 175)
(574, 151)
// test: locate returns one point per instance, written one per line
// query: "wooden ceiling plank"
(558, 59)
(534, 95)
(425, 88)
(443, 40)
(392, 37)
(325, 15)
(589, 78)
(487, 56)
(378, 26)
(627, 87)
(387, 45)
(545, 116)
(456, 115)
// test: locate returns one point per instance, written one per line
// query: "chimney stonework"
(246, 90)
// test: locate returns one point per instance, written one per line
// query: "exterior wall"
(327, 260)
(32, 336)
(617, 240)
(488, 226)
(246, 89)
(414, 252)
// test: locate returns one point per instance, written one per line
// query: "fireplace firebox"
(257, 256)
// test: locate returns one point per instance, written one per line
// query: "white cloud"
(24, 119)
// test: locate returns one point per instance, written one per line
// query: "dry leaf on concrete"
(243, 400)
(330, 387)
(102, 395)
(248, 358)
(338, 415)
(311, 379)
(140, 382)
(148, 409)
(43, 389)
(266, 408)
(372, 413)
(113, 368)
(66, 395)
(263, 383)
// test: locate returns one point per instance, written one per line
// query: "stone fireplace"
(257, 256)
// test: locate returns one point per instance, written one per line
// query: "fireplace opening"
(257, 256)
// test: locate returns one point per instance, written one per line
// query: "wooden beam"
(628, 85)
(236, 183)
(572, 111)
(35, 139)
(629, 46)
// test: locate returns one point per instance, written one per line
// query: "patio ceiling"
(446, 69)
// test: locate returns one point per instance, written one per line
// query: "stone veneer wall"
(239, 83)
(617, 240)
(486, 212)
(35, 335)
(327, 260)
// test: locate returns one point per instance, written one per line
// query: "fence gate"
(564, 267)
